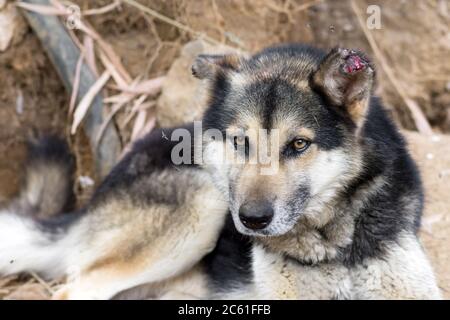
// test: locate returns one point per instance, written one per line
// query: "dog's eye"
(241, 143)
(300, 145)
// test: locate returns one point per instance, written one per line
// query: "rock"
(12, 25)
(183, 97)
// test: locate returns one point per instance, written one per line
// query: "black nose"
(256, 215)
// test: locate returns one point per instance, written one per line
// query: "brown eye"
(241, 143)
(239, 140)
(300, 144)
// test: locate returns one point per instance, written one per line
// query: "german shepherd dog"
(337, 218)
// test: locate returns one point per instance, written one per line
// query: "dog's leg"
(190, 285)
(404, 273)
(162, 259)
(98, 286)
(108, 278)
(105, 282)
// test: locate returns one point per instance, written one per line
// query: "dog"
(333, 214)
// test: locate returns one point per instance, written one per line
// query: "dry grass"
(131, 93)
(27, 287)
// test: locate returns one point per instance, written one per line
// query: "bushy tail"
(33, 230)
(48, 183)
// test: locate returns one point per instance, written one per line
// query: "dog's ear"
(346, 78)
(207, 66)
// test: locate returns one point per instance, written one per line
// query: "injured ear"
(207, 66)
(346, 77)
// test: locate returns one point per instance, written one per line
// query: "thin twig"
(76, 84)
(419, 118)
(86, 102)
(307, 5)
(175, 23)
(107, 49)
(102, 10)
(112, 70)
(42, 282)
(88, 44)
(139, 124)
(108, 119)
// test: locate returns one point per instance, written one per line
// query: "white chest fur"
(402, 273)
(279, 278)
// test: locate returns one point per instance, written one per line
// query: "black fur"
(229, 265)
(288, 50)
(49, 171)
(216, 117)
(58, 226)
(148, 155)
(276, 93)
(45, 155)
(383, 217)
(50, 148)
(50, 151)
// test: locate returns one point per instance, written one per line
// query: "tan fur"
(129, 245)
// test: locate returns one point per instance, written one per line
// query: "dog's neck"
(309, 244)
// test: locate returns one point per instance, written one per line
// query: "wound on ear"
(346, 78)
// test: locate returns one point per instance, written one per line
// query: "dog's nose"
(256, 215)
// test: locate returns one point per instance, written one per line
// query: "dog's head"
(281, 132)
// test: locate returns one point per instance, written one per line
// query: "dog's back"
(149, 219)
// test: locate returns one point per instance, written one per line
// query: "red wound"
(354, 63)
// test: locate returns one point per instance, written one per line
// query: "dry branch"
(86, 102)
(64, 54)
(175, 23)
(419, 118)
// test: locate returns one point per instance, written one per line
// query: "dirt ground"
(433, 158)
(414, 39)
(31, 98)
